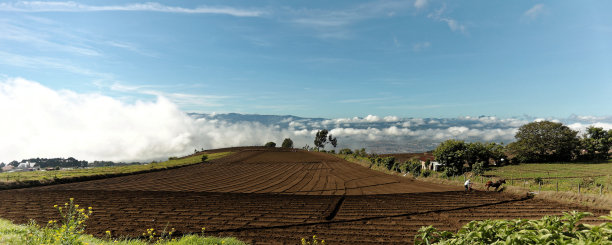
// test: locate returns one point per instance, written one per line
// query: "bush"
(270, 144)
(450, 171)
(548, 230)
(69, 232)
(287, 143)
(204, 158)
(426, 173)
(478, 168)
(415, 168)
(345, 151)
(538, 180)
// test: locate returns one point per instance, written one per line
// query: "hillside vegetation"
(50, 176)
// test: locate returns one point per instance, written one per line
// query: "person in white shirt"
(468, 185)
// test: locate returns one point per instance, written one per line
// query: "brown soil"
(265, 196)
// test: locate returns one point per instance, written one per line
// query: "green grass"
(546, 170)
(558, 176)
(59, 174)
(17, 234)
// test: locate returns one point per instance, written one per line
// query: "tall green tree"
(545, 141)
(596, 143)
(451, 153)
(287, 143)
(476, 152)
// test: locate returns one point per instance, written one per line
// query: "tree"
(596, 143)
(287, 143)
(452, 154)
(544, 141)
(333, 141)
(478, 152)
(270, 144)
(320, 138)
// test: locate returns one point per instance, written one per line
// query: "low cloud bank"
(41, 122)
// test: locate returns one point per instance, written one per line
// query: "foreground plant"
(548, 230)
(67, 230)
(314, 241)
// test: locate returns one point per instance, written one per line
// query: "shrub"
(287, 143)
(345, 151)
(548, 230)
(68, 231)
(450, 171)
(538, 180)
(270, 144)
(204, 158)
(415, 168)
(314, 241)
(426, 173)
(478, 168)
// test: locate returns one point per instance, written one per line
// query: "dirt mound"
(266, 196)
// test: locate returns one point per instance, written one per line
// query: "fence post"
(557, 185)
(578, 188)
(600, 189)
(540, 187)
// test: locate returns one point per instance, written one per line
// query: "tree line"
(536, 142)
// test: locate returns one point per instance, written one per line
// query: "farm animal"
(495, 184)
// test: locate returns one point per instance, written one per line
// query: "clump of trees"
(542, 141)
(547, 141)
(322, 138)
(456, 154)
(270, 144)
(287, 143)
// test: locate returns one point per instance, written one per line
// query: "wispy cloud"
(49, 63)
(69, 6)
(334, 23)
(184, 100)
(40, 39)
(421, 46)
(131, 47)
(420, 3)
(534, 12)
(454, 25)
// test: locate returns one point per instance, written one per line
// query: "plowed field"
(273, 197)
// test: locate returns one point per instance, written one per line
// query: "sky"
(412, 58)
(76, 76)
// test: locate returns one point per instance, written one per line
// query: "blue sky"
(331, 59)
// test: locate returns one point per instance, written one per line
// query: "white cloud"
(420, 3)
(50, 63)
(69, 6)
(535, 11)
(335, 23)
(42, 122)
(421, 46)
(454, 25)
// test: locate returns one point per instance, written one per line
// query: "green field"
(59, 174)
(592, 177)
